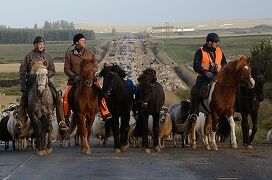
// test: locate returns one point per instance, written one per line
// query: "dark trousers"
(200, 81)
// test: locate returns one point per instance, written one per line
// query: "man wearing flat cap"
(72, 62)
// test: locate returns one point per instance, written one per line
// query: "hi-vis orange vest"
(207, 60)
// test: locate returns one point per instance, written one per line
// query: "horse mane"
(149, 75)
(234, 65)
(37, 64)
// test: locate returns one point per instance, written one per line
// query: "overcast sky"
(24, 13)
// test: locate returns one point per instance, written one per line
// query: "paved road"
(171, 163)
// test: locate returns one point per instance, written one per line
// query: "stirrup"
(193, 118)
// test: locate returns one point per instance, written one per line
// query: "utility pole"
(166, 30)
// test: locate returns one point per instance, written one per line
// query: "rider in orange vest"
(72, 62)
(208, 61)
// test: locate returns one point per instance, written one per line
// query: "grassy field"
(14, 53)
(182, 50)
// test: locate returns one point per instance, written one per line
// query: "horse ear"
(243, 61)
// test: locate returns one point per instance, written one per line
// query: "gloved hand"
(209, 75)
(77, 79)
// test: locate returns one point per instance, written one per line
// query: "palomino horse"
(248, 102)
(221, 99)
(119, 100)
(85, 104)
(40, 108)
(152, 98)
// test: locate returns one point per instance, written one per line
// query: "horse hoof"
(86, 151)
(117, 150)
(193, 146)
(157, 149)
(40, 152)
(207, 147)
(234, 145)
(49, 150)
(214, 147)
(248, 146)
(124, 148)
(146, 150)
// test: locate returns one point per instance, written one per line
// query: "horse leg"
(145, 143)
(232, 134)
(212, 138)
(89, 124)
(174, 140)
(124, 131)
(85, 149)
(37, 127)
(207, 126)
(254, 117)
(116, 134)
(245, 130)
(49, 136)
(193, 136)
(156, 121)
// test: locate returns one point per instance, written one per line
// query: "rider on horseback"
(72, 70)
(208, 61)
(27, 79)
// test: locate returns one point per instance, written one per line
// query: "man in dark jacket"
(27, 79)
(208, 61)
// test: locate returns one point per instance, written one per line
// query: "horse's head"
(258, 76)
(109, 79)
(86, 72)
(147, 82)
(245, 72)
(39, 69)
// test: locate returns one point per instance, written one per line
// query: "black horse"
(119, 101)
(151, 96)
(248, 102)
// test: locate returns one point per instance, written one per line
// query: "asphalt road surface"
(171, 163)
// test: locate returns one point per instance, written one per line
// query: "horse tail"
(223, 128)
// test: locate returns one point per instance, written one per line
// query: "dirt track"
(171, 163)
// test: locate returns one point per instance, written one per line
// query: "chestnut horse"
(221, 100)
(85, 104)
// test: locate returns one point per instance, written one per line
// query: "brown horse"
(222, 98)
(85, 104)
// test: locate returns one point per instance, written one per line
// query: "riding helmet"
(212, 37)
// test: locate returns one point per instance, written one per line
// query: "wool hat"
(77, 37)
(38, 39)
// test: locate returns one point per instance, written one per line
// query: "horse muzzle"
(41, 89)
(251, 83)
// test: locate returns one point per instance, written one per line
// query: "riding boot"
(59, 107)
(194, 105)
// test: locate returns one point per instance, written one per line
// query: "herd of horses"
(236, 86)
